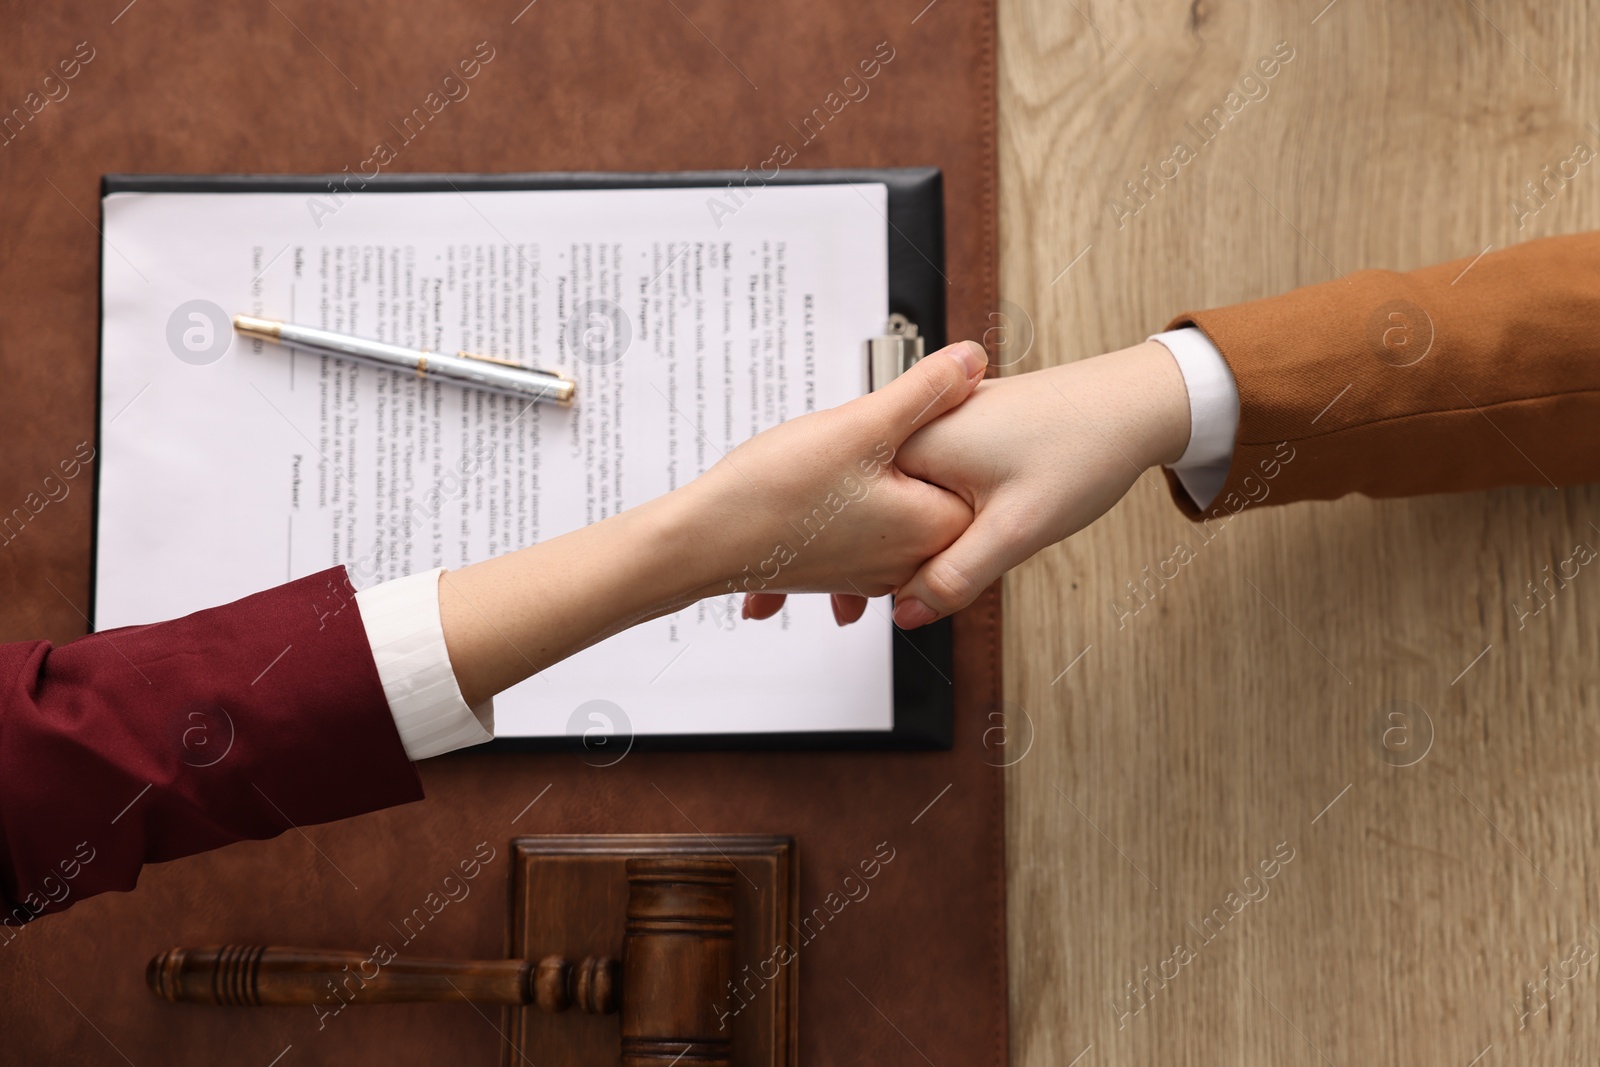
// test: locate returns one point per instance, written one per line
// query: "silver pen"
(464, 368)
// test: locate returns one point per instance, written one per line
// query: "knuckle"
(948, 586)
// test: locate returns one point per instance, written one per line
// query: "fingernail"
(971, 356)
(837, 618)
(744, 612)
(911, 613)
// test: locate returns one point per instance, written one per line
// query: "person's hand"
(1038, 457)
(814, 504)
(817, 504)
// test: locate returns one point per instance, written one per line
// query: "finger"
(762, 605)
(929, 388)
(953, 579)
(847, 608)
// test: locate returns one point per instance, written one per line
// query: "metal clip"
(891, 354)
(491, 359)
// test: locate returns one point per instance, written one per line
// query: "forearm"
(509, 617)
(1134, 399)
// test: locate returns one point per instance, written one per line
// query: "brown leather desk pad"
(914, 971)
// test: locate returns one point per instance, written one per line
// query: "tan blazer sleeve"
(1464, 376)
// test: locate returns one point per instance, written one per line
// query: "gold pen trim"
(265, 329)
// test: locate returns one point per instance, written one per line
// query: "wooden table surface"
(1361, 686)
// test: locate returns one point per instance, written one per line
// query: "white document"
(229, 465)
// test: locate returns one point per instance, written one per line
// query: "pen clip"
(493, 359)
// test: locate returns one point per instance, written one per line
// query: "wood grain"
(1240, 716)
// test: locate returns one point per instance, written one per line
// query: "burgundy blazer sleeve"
(146, 743)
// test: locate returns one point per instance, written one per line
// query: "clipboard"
(923, 659)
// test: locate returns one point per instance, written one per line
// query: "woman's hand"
(818, 503)
(815, 504)
(1040, 456)
(1037, 457)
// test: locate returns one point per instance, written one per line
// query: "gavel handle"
(265, 975)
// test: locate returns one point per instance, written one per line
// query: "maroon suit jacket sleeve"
(147, 743)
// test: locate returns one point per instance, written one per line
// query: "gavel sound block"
(669, 947)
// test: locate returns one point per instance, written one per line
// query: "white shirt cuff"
(1213, 413)
(402, 622)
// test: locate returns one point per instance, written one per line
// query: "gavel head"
(677, 959)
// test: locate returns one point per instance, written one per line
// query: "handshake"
(935, 485)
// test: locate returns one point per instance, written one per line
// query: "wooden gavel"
(677, 957)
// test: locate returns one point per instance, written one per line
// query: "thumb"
(930, 387)
(953, 579)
